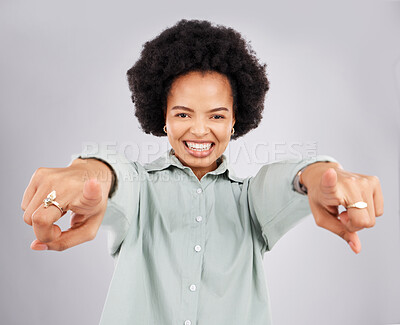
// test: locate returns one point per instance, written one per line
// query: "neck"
(201, 171)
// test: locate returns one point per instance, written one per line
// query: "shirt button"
(192, 287)
(199, 218)
(197, 248)
(199, 190)
(188, 322)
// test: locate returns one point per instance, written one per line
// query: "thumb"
(92, 193)
(329, 181)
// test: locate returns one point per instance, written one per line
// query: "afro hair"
(194, 45)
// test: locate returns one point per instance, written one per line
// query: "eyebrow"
(191, 110)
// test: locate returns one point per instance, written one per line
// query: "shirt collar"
(169, 159)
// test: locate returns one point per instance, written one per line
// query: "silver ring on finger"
(49, 200)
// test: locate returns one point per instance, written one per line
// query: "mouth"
(199, 149)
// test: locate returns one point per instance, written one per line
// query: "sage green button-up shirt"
(190, 252)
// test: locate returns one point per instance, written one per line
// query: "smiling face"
(199, 119)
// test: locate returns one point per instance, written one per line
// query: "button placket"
(194, 262)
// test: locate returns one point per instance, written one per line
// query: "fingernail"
(41, 247)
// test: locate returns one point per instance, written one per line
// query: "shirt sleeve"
(123, 205)
(274, 202)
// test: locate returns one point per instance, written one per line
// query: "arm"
(123, 199)
(273, 200)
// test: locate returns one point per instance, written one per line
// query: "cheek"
(175, 129)
(225, 129)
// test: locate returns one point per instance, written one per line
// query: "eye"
(218, 117)
(181, 114)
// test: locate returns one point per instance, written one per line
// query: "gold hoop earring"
(165, 128)
(233, 131)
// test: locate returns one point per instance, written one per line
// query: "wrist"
(297, 185)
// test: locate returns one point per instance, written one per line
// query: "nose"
(199, 128)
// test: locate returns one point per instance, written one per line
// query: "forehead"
(198, 85)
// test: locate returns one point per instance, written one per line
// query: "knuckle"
(352, 228)
(40, 219)
(92, 235)
(379, 212)
(80, 206)
(62, 246)
(28, 219)
(367, 223)
(364, 181)
(342, 233)
(335, 200)
(356, 223)
(40, 172)
(319, 222)
(90, 203)
(44, 175)
(371, 223)
(374, 179)
(360, 223)
(73, 207)
(350, 180)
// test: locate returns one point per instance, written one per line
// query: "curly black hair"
(197, 45)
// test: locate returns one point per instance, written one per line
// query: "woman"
(187, 234)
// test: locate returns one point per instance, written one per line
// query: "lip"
(199, 154)
(198, 141)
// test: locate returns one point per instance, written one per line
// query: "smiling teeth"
(199, 147)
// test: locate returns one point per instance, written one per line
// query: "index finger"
(328, 220)
(43, 220)
(74, 236)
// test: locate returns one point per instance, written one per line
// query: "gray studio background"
(334, 90)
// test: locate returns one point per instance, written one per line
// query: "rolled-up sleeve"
(122, 207)
(274, 202)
